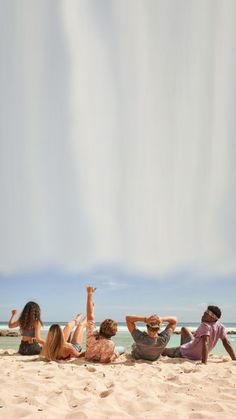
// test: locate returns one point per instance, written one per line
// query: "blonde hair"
(55, 343)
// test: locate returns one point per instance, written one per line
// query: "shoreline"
(122, 338)
(10, 333)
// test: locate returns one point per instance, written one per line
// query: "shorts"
(175, 352)
(77, 347)
(29, 348)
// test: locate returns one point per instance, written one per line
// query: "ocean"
(123, 337)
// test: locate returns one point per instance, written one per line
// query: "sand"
(78, 389)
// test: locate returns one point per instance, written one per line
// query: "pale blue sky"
(117, 151)
(61, 295)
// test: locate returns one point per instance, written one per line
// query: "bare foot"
(77, 319)
(84, 321)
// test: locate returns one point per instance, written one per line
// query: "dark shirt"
(148, 348)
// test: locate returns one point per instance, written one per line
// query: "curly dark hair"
(216, 310)
(108, 328)
(29, 315)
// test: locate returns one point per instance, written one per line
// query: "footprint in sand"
(105, 393)
(110, 384)
(91, 369)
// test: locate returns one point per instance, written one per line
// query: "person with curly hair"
(63, 345)
(30, 324)
(99, 346)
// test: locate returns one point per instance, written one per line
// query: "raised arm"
(12, 324)
(90, 304)
(171, 320)
(131, 320)
(229, 349)
(37, 330)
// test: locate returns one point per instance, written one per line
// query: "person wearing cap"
(149, 345)
(197, 346)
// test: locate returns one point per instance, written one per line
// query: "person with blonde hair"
(99, 346)
(64, 344)
(149, 345)
(30, 324)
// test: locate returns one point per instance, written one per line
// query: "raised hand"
(91, 289)
(13, 312)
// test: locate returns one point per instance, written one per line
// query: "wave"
(123, 328)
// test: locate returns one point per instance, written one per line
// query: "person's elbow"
(127, 319)
(40, 340)
(130, 325)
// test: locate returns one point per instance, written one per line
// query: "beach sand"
(168, 388)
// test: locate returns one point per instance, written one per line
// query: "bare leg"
(185, 335)
(78, 333)
(69, 327)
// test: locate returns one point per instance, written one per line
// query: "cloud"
(116, 284)
(134, 166)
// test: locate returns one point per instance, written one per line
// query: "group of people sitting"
(67, 343)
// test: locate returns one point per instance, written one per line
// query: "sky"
(62, 295)
(117, 157)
